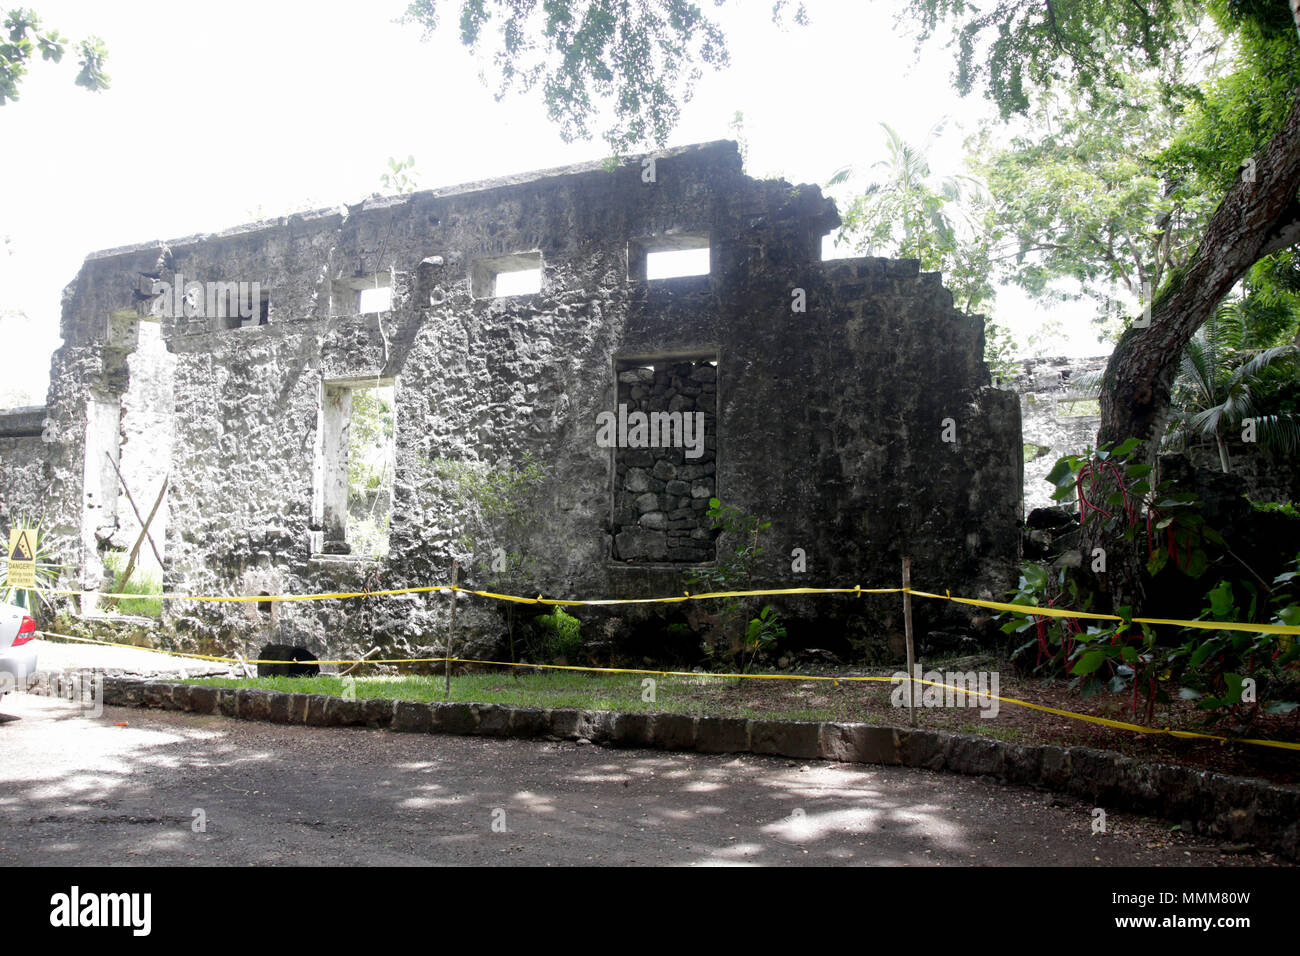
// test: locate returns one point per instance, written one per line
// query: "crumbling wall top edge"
(722, 146)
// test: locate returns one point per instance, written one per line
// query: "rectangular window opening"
(240, 312)
(354, 468)
(675, 263)
(500, 276)
(377, 298)
(362, 295)
(669, 256)
(832, 250)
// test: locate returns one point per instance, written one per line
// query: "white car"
(17, 653)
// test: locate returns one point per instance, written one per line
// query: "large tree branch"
(1253, 220)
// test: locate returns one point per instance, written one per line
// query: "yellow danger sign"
(22, 558)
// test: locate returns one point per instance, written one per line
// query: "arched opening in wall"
(299, 662)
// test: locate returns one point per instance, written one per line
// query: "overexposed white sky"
(217, 111)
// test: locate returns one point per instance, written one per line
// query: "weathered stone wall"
(863, 425)
(146, 433)
(661, 494)
(22, 466)
(1050, 397)
(1268, 474)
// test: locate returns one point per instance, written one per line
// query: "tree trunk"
(1223, 453)
(1259, 216)
(1255, 219)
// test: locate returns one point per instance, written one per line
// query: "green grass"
(1079, 408)
(146, 585)
(699, 696)
(1000, 733)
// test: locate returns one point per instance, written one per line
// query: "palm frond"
(1265, 358)
(1280, 431)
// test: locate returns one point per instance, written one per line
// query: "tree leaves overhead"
(23, 38)
(907, 212)
(1014, 47)
(641, 58)
(1082, 193)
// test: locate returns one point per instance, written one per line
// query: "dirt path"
(83, 791)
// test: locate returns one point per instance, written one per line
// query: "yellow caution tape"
(1104, 721)
(1026, 609)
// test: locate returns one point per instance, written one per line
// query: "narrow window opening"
(499, 276)
(362, 295)
(674, 263)
(669, 256)
(375, 299)
(354, 468)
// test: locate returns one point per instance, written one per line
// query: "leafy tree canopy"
(1014, 47)
(24, 37)
(642, 57)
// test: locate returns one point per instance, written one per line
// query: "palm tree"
(906, 212)
(1222, 383)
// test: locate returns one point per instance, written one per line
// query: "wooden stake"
(133, 507)
(907, 629)
(451, 628)
(372, 651)
(144, 531)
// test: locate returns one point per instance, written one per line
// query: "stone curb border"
(1242, 809)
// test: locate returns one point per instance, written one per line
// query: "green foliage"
(148, 586)
(24, 37)
(1223, 382)
(640, 58)
(1231, 116)
(905, 212)
(1099, 657)
(738, 625)
(999, 353)
(1079, 194)
(1011, 49)
(496, 511)
(1215, 667)
(1116, 500)
(1281, 507)
(401, 176)
(370, 436)
(370, 471)
(47, 572)
(765, 631)
(554, 638)
(1210, 665)
(1142, 123)
(496, 502)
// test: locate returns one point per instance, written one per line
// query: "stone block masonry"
(845, 402)
(665, 477)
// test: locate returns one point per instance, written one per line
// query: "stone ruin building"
(1060, 415)
(845, 401)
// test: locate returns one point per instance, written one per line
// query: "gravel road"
(137, 786)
